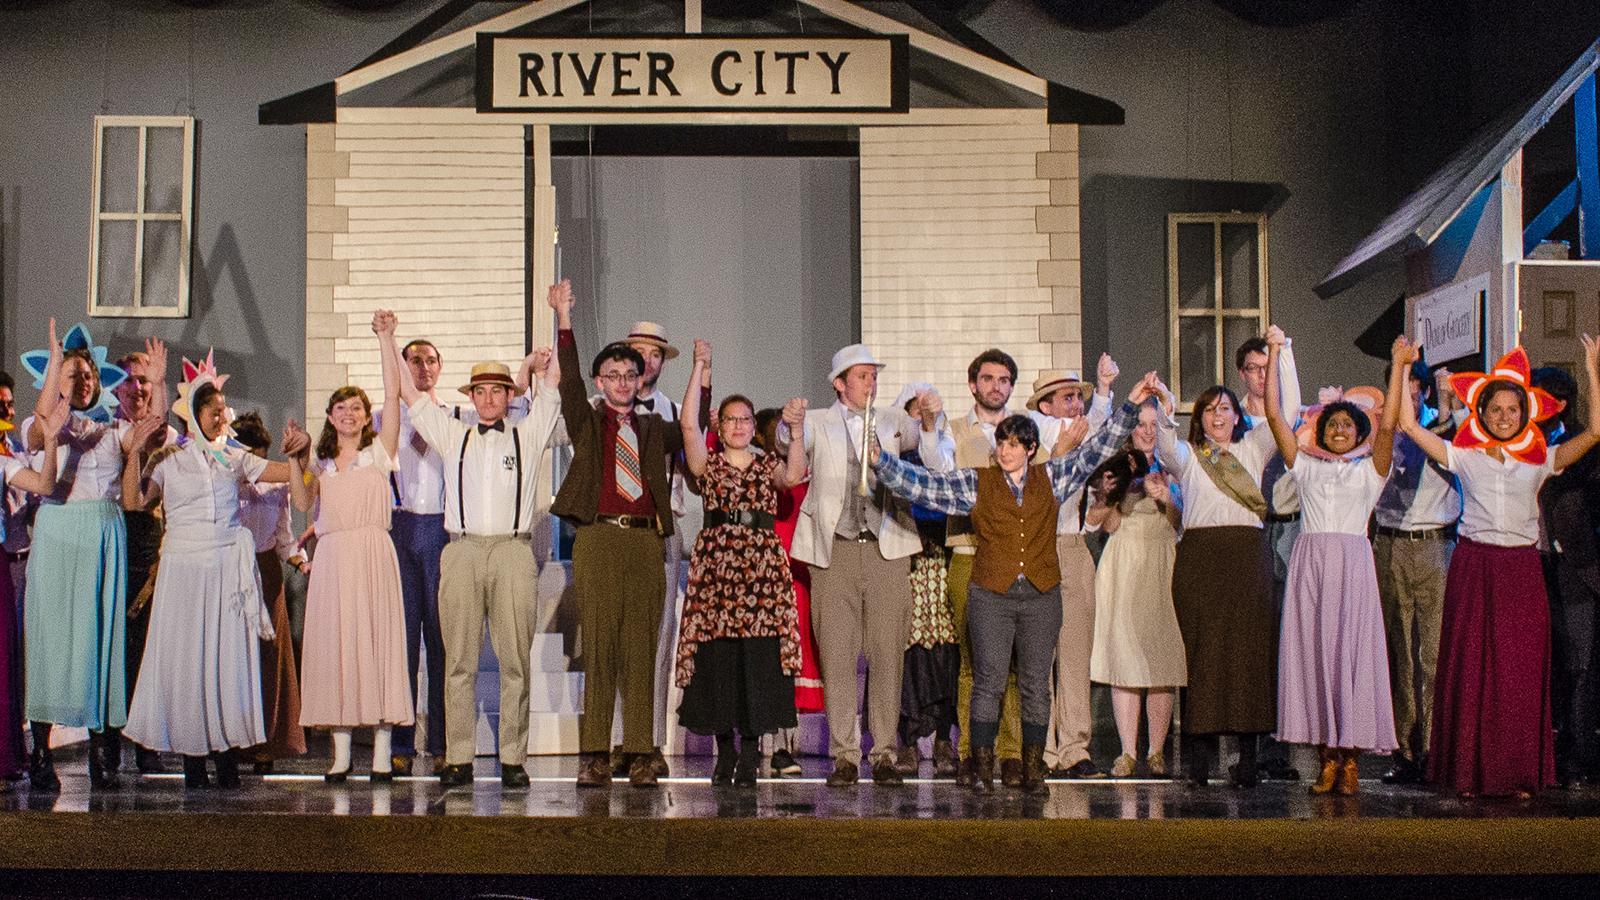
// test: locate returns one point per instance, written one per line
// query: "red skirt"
(1492, 732)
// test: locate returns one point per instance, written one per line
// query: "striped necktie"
(630, 477)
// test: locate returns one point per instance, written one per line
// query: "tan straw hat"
(1052, 380)
(651, 333)
(490, 373)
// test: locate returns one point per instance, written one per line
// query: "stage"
(289, 833)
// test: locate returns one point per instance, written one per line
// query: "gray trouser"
(862, 603)
(1025, 620)
(1411, 576)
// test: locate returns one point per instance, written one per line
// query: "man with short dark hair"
(618, 496)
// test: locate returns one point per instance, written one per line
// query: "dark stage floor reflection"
(297, 788)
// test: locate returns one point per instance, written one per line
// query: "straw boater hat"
(853, 355)
(653, 334)
(490, 373)
(1052, 380)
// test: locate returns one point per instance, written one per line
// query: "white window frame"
(1217, 312)
(184, 218)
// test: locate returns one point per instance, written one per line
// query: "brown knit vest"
(1015, 540)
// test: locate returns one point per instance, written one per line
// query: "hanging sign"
(1448, 321)
(692, 73)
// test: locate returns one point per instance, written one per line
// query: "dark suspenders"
(461, 471)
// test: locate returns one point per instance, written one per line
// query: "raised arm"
(947, 492)
(1068, 473)
(156, 371)
(139, 493)
(794, 469)
(1574, 449)
(1288, 383)
(1383, 441)
(1431, 443)
(1282, 431)
(694, 438)
(383, 325)
(49, 395)
(303, 494)
(575, 408)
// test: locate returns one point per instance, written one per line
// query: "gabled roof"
(937, 37)
(1423, 216)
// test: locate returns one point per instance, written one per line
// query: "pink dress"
(353, 664)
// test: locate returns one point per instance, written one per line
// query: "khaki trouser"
(1411, 578)
(1008, 745)
(493, 580)
(861, 602)
(1070, 716)
(621, 587)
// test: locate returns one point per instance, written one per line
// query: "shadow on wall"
(1124, 246)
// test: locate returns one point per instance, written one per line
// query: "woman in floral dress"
(739, 642)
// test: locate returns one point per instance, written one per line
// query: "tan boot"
(1330, 771)
(1349, 773)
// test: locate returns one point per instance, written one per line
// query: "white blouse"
(1500, 499)
(264, 509)
(88, 461)
(1336, 496)
(199, 493)
(1204, 504)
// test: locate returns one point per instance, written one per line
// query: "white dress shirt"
(1099, 412)
(480, 469)
(16, 504)
(264, 509)
(1336, 496)
(1204, 504)
(1500, 499)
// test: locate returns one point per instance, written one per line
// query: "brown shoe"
(885, 773)
(964, 772)
(1329, 775)
(844, 774)
(1011, 773)
(1350, 773)
(982, 768)
(906, 761)
(594, 770)
(619, 762)
(945, 763)
(658, 763)
(1033, 769)
(642, 772)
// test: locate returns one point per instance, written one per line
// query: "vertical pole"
(1587, 138)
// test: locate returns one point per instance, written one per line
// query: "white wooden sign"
(1448, 321)
(692, 73)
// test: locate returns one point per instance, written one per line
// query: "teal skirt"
(74, 619)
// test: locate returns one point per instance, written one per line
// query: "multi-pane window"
(1216, 295)
(143, 205)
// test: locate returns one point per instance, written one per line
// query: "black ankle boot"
(1197, 753)
(194, 773)
(41, 764)
(148, 761)
(1245, 774)
(103, 759)
(227, 770)
(744, 773)
(723, 772)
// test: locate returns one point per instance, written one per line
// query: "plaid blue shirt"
(957, 492)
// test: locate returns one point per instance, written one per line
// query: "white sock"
(341, 750)
(382, 761)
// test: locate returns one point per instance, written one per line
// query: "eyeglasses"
(618, 377)
(1254, 368)
(736, 420)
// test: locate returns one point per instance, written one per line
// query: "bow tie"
(499, 426)
(647, 404)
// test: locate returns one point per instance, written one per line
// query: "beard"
(990, 406)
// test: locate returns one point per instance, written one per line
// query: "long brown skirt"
(280, 681)
(1222, 590)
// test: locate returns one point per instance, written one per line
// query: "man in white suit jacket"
(858, 550)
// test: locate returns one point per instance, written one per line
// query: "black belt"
(1282, 518)
(627, 521)
(1448, 532)
(749, 518)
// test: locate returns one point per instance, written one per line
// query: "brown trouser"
(861, 602)
(491, 579)
(621, 587)
(1411, 585)
(1070, 717)
(1008, 744)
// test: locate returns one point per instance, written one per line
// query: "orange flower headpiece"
(1526, 445)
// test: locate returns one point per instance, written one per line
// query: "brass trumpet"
(862, 488)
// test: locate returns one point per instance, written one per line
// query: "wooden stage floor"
(291, 834)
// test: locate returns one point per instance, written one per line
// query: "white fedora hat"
(853, 355)
(651, 333)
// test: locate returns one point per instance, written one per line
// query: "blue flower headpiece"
(36, 361)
